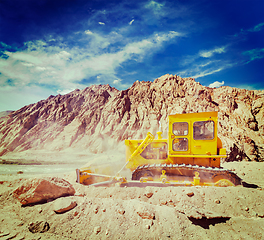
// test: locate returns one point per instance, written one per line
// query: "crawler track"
(184, 172)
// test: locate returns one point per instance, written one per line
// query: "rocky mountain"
(4, 113)
(100, 117)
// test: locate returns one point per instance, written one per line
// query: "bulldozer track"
(206, 173)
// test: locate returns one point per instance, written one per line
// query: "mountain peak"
(99, 117)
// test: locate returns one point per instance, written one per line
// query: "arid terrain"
(140, 213)
(42, 144)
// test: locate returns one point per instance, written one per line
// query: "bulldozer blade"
(103, 184)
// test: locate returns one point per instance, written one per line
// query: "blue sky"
(49, 47)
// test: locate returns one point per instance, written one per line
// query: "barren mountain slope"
(99, 117)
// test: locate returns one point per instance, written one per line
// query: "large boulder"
(41, 190)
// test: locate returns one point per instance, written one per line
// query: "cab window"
(180, 128)
(155, 151)
(180, 144)
(203, 130)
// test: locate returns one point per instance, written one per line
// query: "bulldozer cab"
(193, 134)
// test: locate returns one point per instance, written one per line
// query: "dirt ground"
(142, 213)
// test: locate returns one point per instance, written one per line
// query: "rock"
(145, 213)
(190, 194)
(96, 209)
(121, 211)
(148, 223)
(62, 205)
(75, 214)
(97, 229)
(163, 202)
(43, 189)
(149, 194)
(39, 227)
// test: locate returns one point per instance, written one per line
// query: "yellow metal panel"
(198, 156)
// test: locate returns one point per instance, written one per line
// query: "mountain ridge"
(100, 117)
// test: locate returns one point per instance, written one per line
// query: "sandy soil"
(142, 213)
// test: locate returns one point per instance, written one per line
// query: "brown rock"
(75, 214)
(121, 211)
(149, 194)
(190, 194)
(41, 190)
(39, 227)
(145, 213)
(163, 202)
(217, 201)
(97, 229)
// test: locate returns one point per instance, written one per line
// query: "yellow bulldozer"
(189, 156)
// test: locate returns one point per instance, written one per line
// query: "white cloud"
(56, 65)
(216, 84)
(118, 84)
(204, 63)
(207, 72)
(101, 23)
(210, 53)
(187, 60)
(256, 28)
(63, 54)
(155, 6)
(164, 9)
(88, 32)
(130, 23)
(40, 68)
(28, 64)
(65, 91)
(25, 57)
(3, 63)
